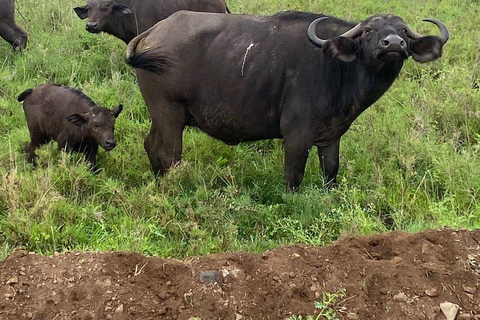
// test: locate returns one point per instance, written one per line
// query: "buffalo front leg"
(329, 162)
(296, 154)
(91, 157)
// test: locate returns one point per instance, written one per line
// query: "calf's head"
(382, 38)
(99, 124)
(103, 15)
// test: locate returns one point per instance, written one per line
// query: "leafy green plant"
(326, 307)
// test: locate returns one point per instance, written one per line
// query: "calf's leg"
(35, 142)
(91, 157)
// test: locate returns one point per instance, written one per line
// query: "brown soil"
(373, 270)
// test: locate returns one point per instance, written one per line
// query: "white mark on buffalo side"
(245, 57)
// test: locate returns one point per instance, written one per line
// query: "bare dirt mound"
(389, 276)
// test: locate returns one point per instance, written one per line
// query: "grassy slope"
(410, 162)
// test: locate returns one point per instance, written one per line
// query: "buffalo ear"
(78, 119)
(425, 49)
(342, 48)
(116, 110)
(121, 8)
(82, 12)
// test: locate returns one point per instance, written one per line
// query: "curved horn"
(444, 35)
(443, 30)
(354, 32)
(312, 35)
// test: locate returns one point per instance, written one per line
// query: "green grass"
(410, 162)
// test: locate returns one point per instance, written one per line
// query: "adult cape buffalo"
(243, 78)
(125, 19)
(9, 30)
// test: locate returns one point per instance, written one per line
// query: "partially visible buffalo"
(244, 78)
(9, 30)
(125, 19)
(68, 116)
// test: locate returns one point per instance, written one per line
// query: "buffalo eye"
(96, 125)
(367, 31)
(405, 30)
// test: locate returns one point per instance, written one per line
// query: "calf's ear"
(425, 49)
(82, 12)
(121, 8)
(116, 110)
(78, 119)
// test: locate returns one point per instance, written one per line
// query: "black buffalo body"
(125, 19)
(69, 117)
(9, 30)
(243, 78)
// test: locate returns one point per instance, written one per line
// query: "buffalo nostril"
(91, 25)
(402, 43)
(111, 143)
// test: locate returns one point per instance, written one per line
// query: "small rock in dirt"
(433, 292)
(352, 316)
(238, 316)
(464, 316)
(162, 311)
(466, 288)
(295, 255)
(210, 276)
(449, 309)
(103, 283)
(119, 309)
(396, 260)
(12, 280)
(400, 297)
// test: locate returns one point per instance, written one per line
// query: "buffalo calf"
(69, 117)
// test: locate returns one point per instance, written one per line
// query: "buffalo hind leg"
(329, 162)
(35, 142)
(163, 143)
(150, 145)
